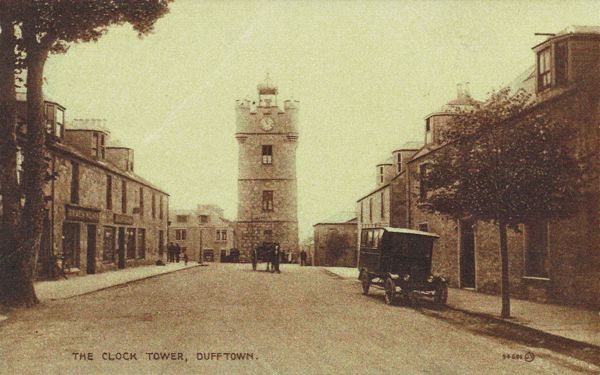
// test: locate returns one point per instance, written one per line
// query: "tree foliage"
(38, 28)
(337, 245)
(505, 160)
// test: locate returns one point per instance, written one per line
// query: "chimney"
(468, 89)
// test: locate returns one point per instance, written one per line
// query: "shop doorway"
(121, 250)
(70, 245)
(91, 249)
(467, 254)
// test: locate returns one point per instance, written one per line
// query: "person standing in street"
(276, 258)
(177, 252)
(170, 252)
(303, 258)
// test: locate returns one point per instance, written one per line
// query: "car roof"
(407, 231)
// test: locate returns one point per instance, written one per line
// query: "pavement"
(79, 285)
(568, 322)
(227, 319)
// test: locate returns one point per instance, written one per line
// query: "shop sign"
(123, 219)
(74, 213)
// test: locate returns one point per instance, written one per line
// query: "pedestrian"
(177, 252)
(170, 252)
(303, 258)
(276, 257)
(185, 258)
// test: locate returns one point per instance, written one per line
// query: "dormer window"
(561, 61)
(55, 120)
(428, 132)
(544, 69)
(398, 163)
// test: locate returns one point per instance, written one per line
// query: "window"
(181, 234)
(536, 250)
(428, 131)
(75, 183)
(124, 196)
(382, 205)
(398, 162)
(160, 207)
(102, 146)
(218, 235)
(153, 205)
(561, 62)
(60, 123)
(370, 210)
(422, 185)
(95, 145)
(141, 243)
(19, 165)
(108, 192)
(141, 201)
(49, 112)
(381, 175)
(544, 69)
(423, 227)
(267, 154)
(182, 218)
(267, 200)
(224, 235)
(362, 216)
(204, 218)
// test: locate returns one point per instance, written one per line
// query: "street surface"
(302, 321)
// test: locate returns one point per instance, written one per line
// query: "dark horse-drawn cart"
(399, 261)
(263, 253)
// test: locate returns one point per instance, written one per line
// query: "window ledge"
(536, 278)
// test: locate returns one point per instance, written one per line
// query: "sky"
(366, 74)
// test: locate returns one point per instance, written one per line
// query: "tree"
(337, 244)
(42, 27)
(507, 162)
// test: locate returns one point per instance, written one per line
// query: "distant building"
(203, 233)
(267, 136)
(335, 241)
(100, 215)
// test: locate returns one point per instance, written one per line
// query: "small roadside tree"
(39, 28)
(507, 163)
(337, 244)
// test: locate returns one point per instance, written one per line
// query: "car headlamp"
(406, 277)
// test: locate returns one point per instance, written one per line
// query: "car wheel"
(365, 281)
(391, 297)
(441, 294)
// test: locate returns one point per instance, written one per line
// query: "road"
(302, 321)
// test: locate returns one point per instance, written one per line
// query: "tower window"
(398, 162)
(544, 69)
(381, 175)
(428, 132)
(267, 200)
(267, 154)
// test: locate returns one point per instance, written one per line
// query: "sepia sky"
(365, 73)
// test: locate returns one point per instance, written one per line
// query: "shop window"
(131, 243)
(141, 243)
(108, 254)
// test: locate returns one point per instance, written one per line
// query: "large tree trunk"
(35, 170)
(9, 188)
(505, 288)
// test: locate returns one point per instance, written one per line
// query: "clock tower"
(267, 136)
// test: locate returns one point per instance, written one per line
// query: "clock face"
(267, 124)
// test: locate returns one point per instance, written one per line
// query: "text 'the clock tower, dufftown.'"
(267, 207)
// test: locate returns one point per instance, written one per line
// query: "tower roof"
(267, 87)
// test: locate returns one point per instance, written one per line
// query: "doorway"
(91, 249)
(70, 245)
(467, 254)
(121, 250)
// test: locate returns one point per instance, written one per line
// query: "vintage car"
(399, 261)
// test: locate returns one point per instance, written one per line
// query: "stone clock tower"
(267, 136)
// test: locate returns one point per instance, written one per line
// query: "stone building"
(100, 215)
(267, 136)
(203, 233)
(335, 241)
(548, 261)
